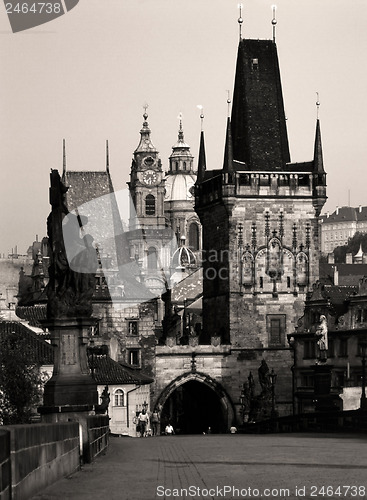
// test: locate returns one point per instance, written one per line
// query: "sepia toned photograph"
(183, 249)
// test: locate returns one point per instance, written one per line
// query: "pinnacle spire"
(107, 158)
(228, 151)
(202, 159)
(63, 158)
(317, 157)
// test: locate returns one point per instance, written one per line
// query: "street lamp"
(363, 349)
(273, 379)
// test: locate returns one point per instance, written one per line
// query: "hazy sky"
(85, 77)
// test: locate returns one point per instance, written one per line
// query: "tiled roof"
(348, 274)
(346, 214)
(33, 314)
(189, 288)
(338, 294)
(107, 371)
(44, 351)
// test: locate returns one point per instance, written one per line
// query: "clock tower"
(146, 184)
(149, 237)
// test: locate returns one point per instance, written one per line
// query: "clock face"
(150, 177)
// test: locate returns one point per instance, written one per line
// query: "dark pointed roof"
(228, 151)
(107, 371)
(317, 157)
(43, 351)
(202, 159)
(259, 130)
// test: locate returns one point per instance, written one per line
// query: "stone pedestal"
(324, 400)
(71, 393)
(71, 383)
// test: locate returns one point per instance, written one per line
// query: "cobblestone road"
(249, 466)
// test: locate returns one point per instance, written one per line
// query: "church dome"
(183, 256)
(180, 187)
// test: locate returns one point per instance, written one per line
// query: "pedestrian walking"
(143, 421)
(154, 421)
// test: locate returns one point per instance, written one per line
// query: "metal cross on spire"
(240, 19)
(318, 105)
(274, 20)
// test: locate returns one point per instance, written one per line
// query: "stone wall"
(40, 455)
(98, 435)
(5, 465)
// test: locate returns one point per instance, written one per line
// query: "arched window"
(194, 236)
(152, 258)
(184, 165)
(176, 165)
(150, 205)
(119, 397)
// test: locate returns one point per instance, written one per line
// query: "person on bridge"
(169, 429)
(143, 420)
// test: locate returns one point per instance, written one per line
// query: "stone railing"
(36, 455)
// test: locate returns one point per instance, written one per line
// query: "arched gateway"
(193, 402)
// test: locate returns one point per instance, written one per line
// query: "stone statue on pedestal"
(322, 342)
(73, 260)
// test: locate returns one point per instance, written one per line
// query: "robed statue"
(73, 259)
(322, 339)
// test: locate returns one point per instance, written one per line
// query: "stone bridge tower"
(259, 219)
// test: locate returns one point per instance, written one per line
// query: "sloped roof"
(43, 350)
(107, 371)
(342, 214)
(338, 294)
(190, 287)
(259, 130)
(348, 274)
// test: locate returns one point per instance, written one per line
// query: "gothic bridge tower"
(258, 216)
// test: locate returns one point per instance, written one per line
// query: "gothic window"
(276, 329)
(119, 397)
(150, 205)
(194, 236)
(152, 258)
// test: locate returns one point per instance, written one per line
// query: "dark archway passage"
(192, 408)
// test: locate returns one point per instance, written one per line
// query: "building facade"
(345, 310)
(342, 224)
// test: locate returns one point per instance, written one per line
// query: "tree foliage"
(352, 247)
(20, 384)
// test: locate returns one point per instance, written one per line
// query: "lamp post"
(273, 379)
(363, 349)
